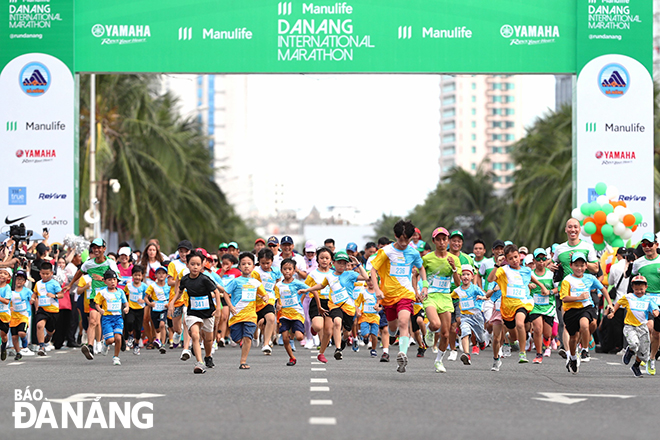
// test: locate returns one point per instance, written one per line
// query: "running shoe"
(356, 347)
(27, 352)
(221, 343)
(506, 350)
(115, 360)
(538, 359)
(42, 351)
(562, 353)
(185, 355)
(627, 356)
(547, 352)
(420, 352)
(199, 368)
(429, 338)
(104, 349)
(522, 359)
(208, 361)
(18, 357)
(3, 354)
(162, 349)
(310, 344)
(635, 369)
(401, 361)
(515, 346)
(650, 367)
(373, 353)
(657, 355)
(87, 351)
(136, 350)
(291, 363)
(482, 346)
(572, 366)
(435, 349)
(338, 354)
(266, 350)
(439, 367)
(177, 338)
(157, 343)
(475, 349)
(385, 357)
(129, 342)
(465, 358)
(497, 363)
(321, 358)
(453, 355)
(553, 344)
(584, 356)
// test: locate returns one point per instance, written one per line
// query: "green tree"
(162, 162)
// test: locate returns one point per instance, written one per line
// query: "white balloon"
(627, 234)
(620, 229)
(583, 232)
(602, 200)
(612, 193)
(625, 212)
(577, 214)
(619, 212)
(612, 219)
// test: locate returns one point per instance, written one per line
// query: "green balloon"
(607, 208)
(638, 218)
(601, 188)
(617, 242)
(85, 255)
(585, 209)
(595, 207)
(607, 231)
(599, 247)
(590, 228)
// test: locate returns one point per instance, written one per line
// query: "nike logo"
(9, 222)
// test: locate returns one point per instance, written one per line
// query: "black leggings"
(134, 320)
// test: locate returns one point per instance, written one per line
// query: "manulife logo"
(591, 127)
(12, 125)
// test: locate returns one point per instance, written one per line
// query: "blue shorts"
(383, 319)
(241, 330)
(111, 325)
(293, 325)
(367, 329)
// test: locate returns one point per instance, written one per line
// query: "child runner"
(200, 318)
(393, 264)
(135, 291)
(470, 301)
(20, 316)
(5, 311)
(227, 272)
(514, 280)
(288, 303)
(496, 322)
(268, 277)
(47, 292)
(543, 313)
(157, 296)
(580, 313)
(174, 274)
(108, 302)
(638, 305)
(368, 315)
(243, 291)
(318, 307)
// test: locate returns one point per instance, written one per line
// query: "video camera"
(19, 232)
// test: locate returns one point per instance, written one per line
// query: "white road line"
(322, 421)
(313, 357)
(319, 388)
(314, 352)
(15, 363)
(318, 369)
(320, 402)
(318, 363)
(318, 380)
(613, 363)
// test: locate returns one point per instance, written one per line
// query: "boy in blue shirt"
(109, 302)
(470, 300)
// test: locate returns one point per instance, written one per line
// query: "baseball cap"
(539, 251)
(649, 237)
(161, 267)
(185, 244)
(21, 273)
(97, 242)
(273, 240)
(232, 243)
(109, 274)
(639, 279)
(498, 243)
(439, 230)
(528, 259)
(259, 240)
(578, 256)
(342, 255)
(42, 248)
(125, 251)
(418, 231)
(222, 246)
(6, 269)
(467, 268)
(554, 247)
(352, 247)
(508, 242)
(310, 246)
(523, 249)
(621, 251)
(456, 233)
(203, 252)
(287, 240)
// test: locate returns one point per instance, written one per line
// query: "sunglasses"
(647, 244)
(273, 245)
(541, 258)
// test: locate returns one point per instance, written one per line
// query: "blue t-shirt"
(468, 298)
(591, 283)
(5, 292)
(347, 279)
(215, 277)
(235, 288)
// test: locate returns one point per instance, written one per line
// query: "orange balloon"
(597, 238)
(600, 218)
(629, 220)
(622, 203)
(587, 220)
(634, 228)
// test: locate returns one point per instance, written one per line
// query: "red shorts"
(392, 312)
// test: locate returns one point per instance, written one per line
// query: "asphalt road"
(369, 399)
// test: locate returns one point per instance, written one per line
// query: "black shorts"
(512, 324)
(49, 317)
(656, 324)
(572, 318)
(134, 319)
(313, 308)
(4, 327)
(383, 319)
(20, 328)
(223, 301)
(456, 308)
(158, 317)
(550, 320)
(261, 314)
(346, 319)
(415, 325)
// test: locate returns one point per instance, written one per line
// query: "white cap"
(528, 259)
(6, 269)
(467, 267)
(124, 251)
(310, 246)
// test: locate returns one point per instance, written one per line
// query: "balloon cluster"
(72, 241)
(607, 220)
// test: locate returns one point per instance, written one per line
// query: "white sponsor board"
(37, 145)
(614, 132)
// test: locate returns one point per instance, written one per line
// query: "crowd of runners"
(390, 295)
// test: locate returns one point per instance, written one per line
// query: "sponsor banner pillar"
(37, 129)
(613, 104)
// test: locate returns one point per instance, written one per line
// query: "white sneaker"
(310, 344)
(136, 351)
(83, 338)
(50, 347)
(401, 361)
(115, 360)
(104, 350)
(360, 342)
(267, 350)
(439, 367)
(185, 355)
(435, 349)
(26, 352)
(453, 355)
(317, 340)
(177, 338)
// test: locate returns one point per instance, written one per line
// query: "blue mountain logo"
(35, 79)
(614, 80)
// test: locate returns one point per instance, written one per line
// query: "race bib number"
(4, 308)
(159, 306)
(199, 303)
(339, 296)
(517, 291)
(639, 306)
(580, 291)
(44, 301)
(541, 300)
(269, 286)
(441, 283)
(498, 304)
(467, 304)
(249, 293)
(20, 306)
(289, 301)
(135, 297)
(400, 270)
(114, 306)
